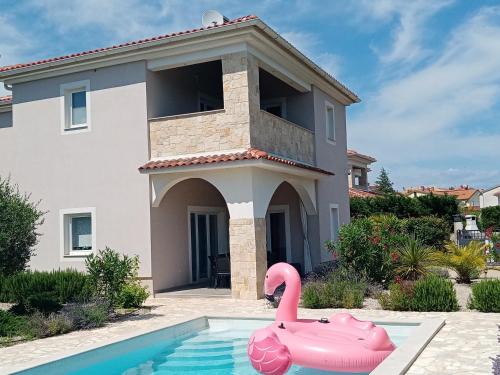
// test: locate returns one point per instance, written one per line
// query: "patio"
(473, 335)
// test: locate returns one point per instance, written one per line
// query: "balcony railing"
(279, 136)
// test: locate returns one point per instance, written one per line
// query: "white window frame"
(329, 139)
(66, 91)
(65, 216)
(285, 209)
(333, 236)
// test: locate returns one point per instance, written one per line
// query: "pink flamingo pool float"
(341, 343)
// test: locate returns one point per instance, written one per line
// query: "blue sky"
(427, 71)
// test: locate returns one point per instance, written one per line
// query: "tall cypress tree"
(384, 183)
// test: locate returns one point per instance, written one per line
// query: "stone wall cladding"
(211, 131)
(278, 136)
(247, 241)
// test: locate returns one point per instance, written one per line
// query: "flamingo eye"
(267, 276)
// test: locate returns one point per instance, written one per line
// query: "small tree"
(384, 183)
(19, 220)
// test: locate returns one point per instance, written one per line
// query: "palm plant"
(466, 260)
(414, 258)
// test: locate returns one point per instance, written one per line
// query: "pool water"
(219, 349)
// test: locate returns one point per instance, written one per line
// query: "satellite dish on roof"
(213, 18)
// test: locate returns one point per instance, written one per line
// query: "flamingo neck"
(287, 309)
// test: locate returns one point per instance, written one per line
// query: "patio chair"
(222, 270)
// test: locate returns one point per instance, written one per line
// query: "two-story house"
(358, 166)
(223, 139)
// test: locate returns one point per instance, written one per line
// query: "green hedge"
(404, 207)
(486, 296)
(44, 291)
(490, 217)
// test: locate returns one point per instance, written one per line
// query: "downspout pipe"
(7, 87)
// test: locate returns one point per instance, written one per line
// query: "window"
(334, 222)
(208, 103)
(75, 108)
(330, 123)
(78, 231)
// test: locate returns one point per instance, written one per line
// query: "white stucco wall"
(488, 198)
(93, 169)
(332, 157)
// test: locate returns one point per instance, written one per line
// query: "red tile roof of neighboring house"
(137, 42)
(250, 154)
(463, 193)
(355, 153)
(4, 100)
(357, 193)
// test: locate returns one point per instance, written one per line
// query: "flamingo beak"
(270, 297)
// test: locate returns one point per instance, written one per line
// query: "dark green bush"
(404, 207)
(87, 315)
(311, 295)
(490, 217)
(109, 272)
(44, 290)
(433, 293)
(19, 221)
(132, 295)
(430, 230)
(486, 296)
(12, 325)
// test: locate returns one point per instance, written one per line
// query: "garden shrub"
(430, 293)
(414, 258)
(132, 295)
(87, 315)
(19, 221)
(467, 261)
(12, 325)
(398, 298)
(42, 325)
(490, 217)
(338, 291)
(433, 293)
(109, 272)
(365, 246)
(485, 296)
(44, 290)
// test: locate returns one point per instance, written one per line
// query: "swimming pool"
(204, 346)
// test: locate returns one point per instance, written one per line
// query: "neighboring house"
(490, 197)
(466, 196)
(358, 168)
(217, 140)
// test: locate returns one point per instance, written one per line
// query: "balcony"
(279, 136)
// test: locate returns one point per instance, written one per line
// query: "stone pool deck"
(467, 344)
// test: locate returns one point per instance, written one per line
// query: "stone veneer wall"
(247, 241)
(278, 136)
(211, 131)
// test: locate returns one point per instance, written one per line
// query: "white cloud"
(431, 114)
(408, 36)
(310, 45)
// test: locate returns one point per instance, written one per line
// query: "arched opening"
(285, 229)
(188, 226)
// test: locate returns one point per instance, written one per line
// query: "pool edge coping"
(397, 363)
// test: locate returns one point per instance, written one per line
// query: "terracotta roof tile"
(357, 193)
(462, 193)
(5, 100)
(136, 42)
(355, 153)
(250, 154)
